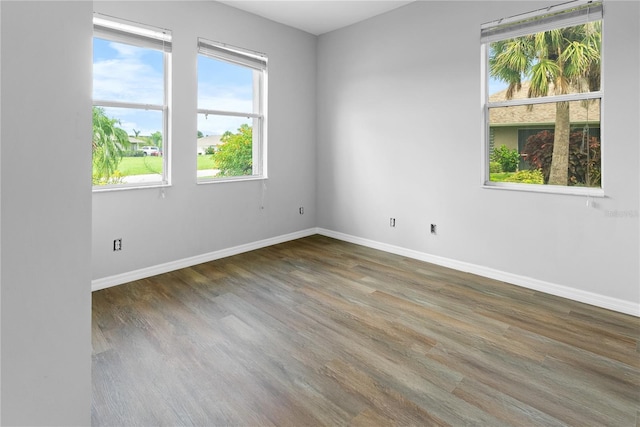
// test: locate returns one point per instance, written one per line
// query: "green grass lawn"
(500, 177)
(205, 161)
(153, 165)
(140, 165)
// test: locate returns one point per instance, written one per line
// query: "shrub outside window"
(130, 104)
(543, 99)
(231, 113)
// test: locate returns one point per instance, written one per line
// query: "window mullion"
(119, 104)
(229, 113)
(546, 99)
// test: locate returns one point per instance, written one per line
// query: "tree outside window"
(547, 85)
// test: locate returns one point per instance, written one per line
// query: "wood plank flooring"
(319, 332)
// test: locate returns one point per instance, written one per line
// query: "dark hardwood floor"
(320, 332)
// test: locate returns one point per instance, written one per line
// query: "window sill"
(548, 189)
(108, 189)
(231, 179)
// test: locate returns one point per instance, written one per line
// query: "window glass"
(129, 109)
(542, 108)
(230, 113)
(127, 73)
(224, 86)
(227, 144)
(523, 139)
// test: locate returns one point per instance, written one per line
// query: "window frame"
(529, 25)
(258, 63)
(143, 36)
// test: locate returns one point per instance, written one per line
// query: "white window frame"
(258, 63)
(145, 36)
(568, 14)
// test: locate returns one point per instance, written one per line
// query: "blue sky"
(127, 73)
(496, 86)
(223, 86)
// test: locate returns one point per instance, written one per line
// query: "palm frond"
(108, 145)
(542, 74)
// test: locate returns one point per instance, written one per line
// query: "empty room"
(320, 213)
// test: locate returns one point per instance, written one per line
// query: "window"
(231, 113)
(543, 98)
(130, 104)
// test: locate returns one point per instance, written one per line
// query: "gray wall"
(390, 92)
(191, 219)
(46, 213)
(399, 126)
(47, 256)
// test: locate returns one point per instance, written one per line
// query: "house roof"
(208, 141)
(538, 114)
(134, 140)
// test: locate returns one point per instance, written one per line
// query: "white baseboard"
(591, 298)
(119, 279)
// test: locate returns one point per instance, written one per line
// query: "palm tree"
(108, 145)
(555, 62)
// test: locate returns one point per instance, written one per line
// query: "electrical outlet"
(117, 245)
(301, 210)
(392, 222)
(433, 229)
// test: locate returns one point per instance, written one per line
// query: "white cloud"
(128, 76)
(225, 98)
(132, 74)
(127, 50)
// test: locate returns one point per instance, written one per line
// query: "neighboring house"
(511, 126)
(208, 141)
(136, 143)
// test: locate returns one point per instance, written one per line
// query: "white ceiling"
(317, 16)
